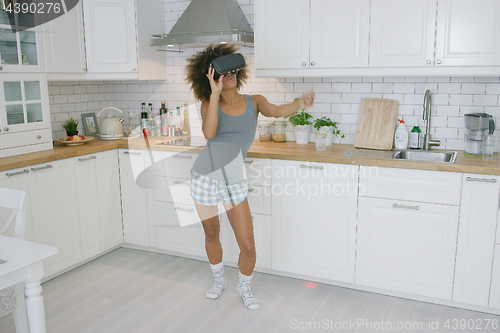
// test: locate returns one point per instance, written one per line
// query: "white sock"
(220, 281)
(244, 289)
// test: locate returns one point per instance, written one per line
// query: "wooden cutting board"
(376, 123)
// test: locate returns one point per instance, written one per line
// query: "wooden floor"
(136, 291)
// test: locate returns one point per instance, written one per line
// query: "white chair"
(12, 299)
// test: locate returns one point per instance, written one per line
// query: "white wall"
(336, 97)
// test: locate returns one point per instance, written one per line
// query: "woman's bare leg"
(241, 221)
(209, 216)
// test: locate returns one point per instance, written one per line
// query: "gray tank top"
(228, 148)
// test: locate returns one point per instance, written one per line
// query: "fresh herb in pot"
(70, 125)
(299, 117)
(325, 121)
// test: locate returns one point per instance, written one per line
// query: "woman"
(229, 122)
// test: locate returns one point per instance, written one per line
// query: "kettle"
(110, 128)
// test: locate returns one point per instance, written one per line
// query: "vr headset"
(228, 64)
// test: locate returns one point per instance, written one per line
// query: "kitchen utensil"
(376, 123)
(477, 126)
(110, 128)
(65, 141)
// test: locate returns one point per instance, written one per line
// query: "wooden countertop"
(272, 150)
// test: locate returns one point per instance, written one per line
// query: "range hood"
(206, 22)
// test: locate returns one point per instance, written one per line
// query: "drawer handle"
(471, 179)
(87, 158)
(178, 182)
(181, 156)
(311, 166)
(405, 207)
(249, 161)
(185, 209)
(132, 153)
(10, 174)
(48, 166)
(250, 189)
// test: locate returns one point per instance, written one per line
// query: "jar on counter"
(279, 131)
(265, 131)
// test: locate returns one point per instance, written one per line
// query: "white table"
(24, 264)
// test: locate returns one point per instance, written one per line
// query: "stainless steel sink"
(405, 154)
(426, 156)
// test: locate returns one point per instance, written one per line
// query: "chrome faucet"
(426, 115)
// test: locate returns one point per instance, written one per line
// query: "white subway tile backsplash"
(473, 88)
(449, 88)
(485, 100)
(382, 88)
(460, 99)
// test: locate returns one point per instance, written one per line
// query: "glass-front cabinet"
(20, 39)
(24, 113)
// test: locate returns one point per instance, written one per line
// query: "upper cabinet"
(21, 51)
(402, 33)
(377, 37)
(468, 33)
(298, 34)
(100, 39)
(110, 36)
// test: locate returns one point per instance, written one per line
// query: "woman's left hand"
(306, 100)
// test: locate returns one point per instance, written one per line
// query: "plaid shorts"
(208, 191)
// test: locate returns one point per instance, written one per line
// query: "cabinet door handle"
(313, 63)
(405, 207)
(311, 167)
(185, 209)
(250, 189)
(6, 129)
(429, 62)
(486, 180)
(132, 153)
(439, 62)
(1, 68)
(48, 166)
(85, 69)
(181, 156)
(304, 64)
(249, 161)
(10, 174)
(134, 69)
(38, 136)
(87, 158)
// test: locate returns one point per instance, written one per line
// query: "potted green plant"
(325, 124)
(301, 125)
(70, 126)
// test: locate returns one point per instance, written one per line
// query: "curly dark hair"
(197, 69)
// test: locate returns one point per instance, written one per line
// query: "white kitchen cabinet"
(428, 33)
(88, 204)
(64, 43)
(402, 33)
(17, 179)
(54, 203)
(110, 36)
(314, 219)
(262, 237)
(134, 207)
(24, 114)
(406, 246)
(97, 39)
(20, 51)
(171, 236)
(468, 33)
(494, 301)
(311, 34)
(108, 193)
(476, 238)
(99, 202)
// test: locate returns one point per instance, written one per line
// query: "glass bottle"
(178, 122)
(186, 129)
(164, 119)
